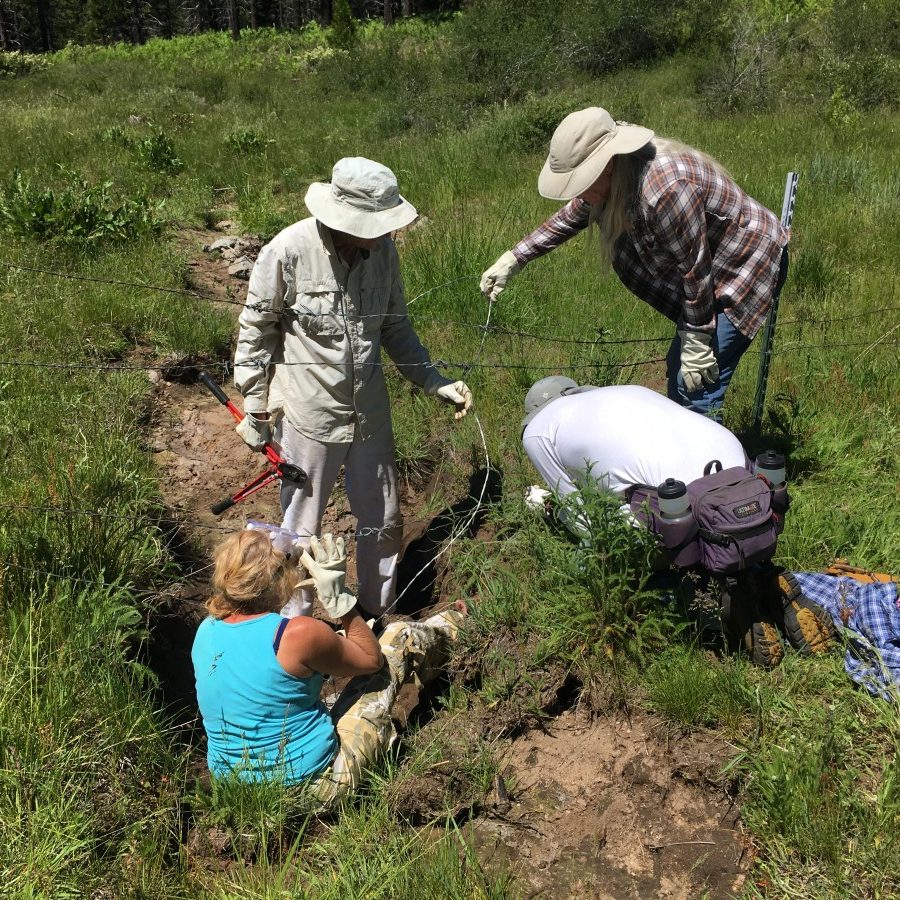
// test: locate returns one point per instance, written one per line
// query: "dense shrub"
(530, 124)
(15, 64)
(862, 50)
(740, 75)
(511, 48)
(843, 53)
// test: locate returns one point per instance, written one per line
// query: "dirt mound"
(615, 808)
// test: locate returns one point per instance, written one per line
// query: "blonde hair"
(250, 576)
(614, 217)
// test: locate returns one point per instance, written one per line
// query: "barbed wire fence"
(600, 341)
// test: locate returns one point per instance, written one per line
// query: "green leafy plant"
(157, 152)
(248, 141)
(606, 604)
(79, 213)
(15, 64)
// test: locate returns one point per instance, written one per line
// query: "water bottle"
(676, 523)
(282, 538)
(771, 465)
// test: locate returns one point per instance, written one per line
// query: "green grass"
(94, 792)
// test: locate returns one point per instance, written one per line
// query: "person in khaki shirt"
(325, 296)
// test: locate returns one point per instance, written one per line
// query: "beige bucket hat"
(361, 199)
(582, 145)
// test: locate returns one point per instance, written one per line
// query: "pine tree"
(343, 26)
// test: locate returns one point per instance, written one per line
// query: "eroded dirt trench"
(608, 806)
(201, 460)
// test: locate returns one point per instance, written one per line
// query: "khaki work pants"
(362, 714)
(370, 476)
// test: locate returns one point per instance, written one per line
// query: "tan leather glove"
(327, 564)
(254, 432)
(698, 362)
(495, 279)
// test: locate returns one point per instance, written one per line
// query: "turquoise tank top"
(261, 722)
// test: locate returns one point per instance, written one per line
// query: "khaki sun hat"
(361, 199)
(542, 392)
(582, 145)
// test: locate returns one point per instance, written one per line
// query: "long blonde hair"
(250, 576)
(614, 217)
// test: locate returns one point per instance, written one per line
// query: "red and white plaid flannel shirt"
(697, 245)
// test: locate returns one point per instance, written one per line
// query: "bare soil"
(607, 807)
(615, 808)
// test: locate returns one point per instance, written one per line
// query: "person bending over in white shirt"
(325, 297)
(628, 435)
(622, 435)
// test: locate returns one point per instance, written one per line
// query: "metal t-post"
(765, 355)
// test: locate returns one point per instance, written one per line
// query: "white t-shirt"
(625, 435)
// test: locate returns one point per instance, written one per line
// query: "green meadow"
(108, 154)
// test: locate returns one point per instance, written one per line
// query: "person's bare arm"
(309, 645)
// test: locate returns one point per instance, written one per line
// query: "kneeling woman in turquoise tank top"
(259, 675)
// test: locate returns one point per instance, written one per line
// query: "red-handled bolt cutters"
(280, 467)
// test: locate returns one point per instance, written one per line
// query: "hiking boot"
(747, 623)
(763, 642)
(808, 628)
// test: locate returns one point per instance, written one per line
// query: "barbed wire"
(155, 520)
(289, 312)
(828, 320)
(437, 363)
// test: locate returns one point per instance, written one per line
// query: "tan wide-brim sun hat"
(362, 199)
(580, 149)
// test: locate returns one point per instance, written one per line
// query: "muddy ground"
(608, 806)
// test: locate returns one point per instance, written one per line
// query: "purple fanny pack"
(733, 523)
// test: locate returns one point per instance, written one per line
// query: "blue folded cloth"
(869, 617)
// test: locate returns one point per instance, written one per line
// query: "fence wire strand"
(600, 342)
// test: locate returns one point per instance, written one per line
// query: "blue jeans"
(728, 347)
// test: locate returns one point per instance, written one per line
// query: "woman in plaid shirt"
(678, 232)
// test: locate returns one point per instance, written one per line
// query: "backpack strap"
(279, 633)
(707, 469)
(632, 489)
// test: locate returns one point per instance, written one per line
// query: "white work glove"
(328, 567)
(456, 393)
(698, 363)
(539, 499)
(494, 280)
(254, 432)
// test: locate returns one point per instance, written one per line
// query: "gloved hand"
(494, 280)
(254, 432)
(698, 363)
(455, 392)
(328, 567)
